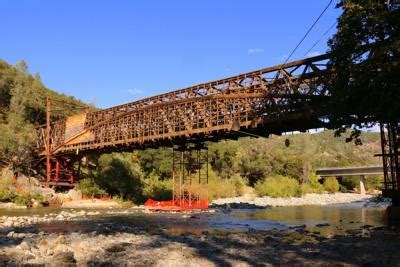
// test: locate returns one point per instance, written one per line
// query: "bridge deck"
(350, 171)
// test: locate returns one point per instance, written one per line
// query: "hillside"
(22, 108)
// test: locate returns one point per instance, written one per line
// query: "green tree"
(365, 64)
(120, 175)
(22, 67)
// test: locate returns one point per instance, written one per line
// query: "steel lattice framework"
(289, 97)
(258, 102)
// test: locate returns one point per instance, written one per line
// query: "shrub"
(6, 195)
(239, 184)
(331, 185)
(374, 182)
(123, 203)
(313, 186)
(27, 199)
(90, 188)
(6, 187)
(156, 188)
(120, 175)
(219, 187)
(278, 186)
(342, 189)
(350, 182)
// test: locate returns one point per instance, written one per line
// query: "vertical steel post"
(181, 178)
(57, 171)
(384, 157)
(173, 175)
(48, 149)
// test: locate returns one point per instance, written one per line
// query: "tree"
(37, 77)
(365, 78)
(22, 67)
(120, 175)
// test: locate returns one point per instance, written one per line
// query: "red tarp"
(176, 205)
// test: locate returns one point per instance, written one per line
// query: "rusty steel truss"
(260, 102)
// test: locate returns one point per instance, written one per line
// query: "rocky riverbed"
(59, 239)
(308, 199)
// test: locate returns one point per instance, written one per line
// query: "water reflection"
(326, 220)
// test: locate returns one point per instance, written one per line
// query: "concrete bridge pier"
(362, 182)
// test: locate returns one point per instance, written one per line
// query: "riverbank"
(308, 199)
(83, 238)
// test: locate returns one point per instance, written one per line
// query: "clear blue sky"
(113, 52)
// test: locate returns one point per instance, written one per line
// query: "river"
(331, 219)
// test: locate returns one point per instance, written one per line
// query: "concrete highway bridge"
(274, 100)
(360, 171)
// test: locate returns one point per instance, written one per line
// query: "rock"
(61, 240)
(322, 225)
(43, 242)
(64, 259)
(115, 248)
(366, 226)
(74, 194)
(23, 246)
(60, 248)
(11, 234)
(36, 204)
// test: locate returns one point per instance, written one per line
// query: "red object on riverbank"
(177, 205)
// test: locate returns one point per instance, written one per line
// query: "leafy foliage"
(278, 186)
(26, 199)
(120, 175)
(7, 195)
(90, 189)
(156, 188)
(22, 107)
(331, 184)
(365, 63)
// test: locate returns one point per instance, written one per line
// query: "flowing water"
(327, 220)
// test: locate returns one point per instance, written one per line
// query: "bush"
(313, 186)
(219, 187)
(342, 189)
(6, 187)
(6, 195)
(331, 185)
(278, 186)
(374, 182)
(91, 189)
(120, 175)
(239, 184)
(157, 189)
(350, 182)
(26, 200)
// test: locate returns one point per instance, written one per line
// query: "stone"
(11, 234)
(115, 248)
(322, 225)
(64, 259)
(23, 246)
(74, 194)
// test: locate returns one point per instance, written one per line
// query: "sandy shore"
(308, 199)
(90, 203)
